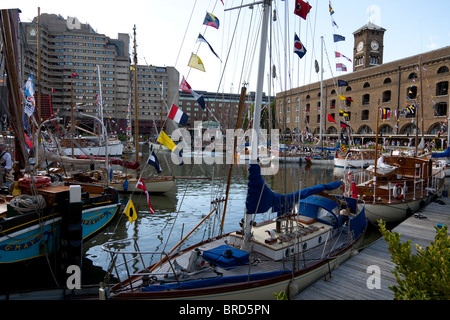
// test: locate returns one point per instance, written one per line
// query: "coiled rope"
(26, 203)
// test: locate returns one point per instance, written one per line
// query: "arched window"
(387, 80)
(412, 75)
(366, 85)
(442, 69)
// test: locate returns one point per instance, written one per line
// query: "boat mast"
(257, 112)
(136, 127)
(39, 68)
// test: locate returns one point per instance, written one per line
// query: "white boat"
(357, 158)
(90, 145)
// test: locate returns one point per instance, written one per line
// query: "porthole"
(305, 245)
(320, 239)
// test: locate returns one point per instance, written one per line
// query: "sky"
(167, 32)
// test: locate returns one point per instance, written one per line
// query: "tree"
(425, 275)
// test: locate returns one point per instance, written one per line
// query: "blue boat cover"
(226, 257)
(444, 154)
(194, 284)
(261, 199)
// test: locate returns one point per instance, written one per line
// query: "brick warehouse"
(394, 86)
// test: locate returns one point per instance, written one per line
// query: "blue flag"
(342, 83)
(299, 49)
(337, 37)
(153, 161)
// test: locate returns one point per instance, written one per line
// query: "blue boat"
(27, 235)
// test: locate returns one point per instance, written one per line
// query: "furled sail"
(261, 199)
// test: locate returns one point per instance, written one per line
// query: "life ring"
(39, 181)
(398, 191)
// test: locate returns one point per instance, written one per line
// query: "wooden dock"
(350, 280)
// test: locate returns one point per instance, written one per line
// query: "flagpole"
(39, 66)
(72, 127)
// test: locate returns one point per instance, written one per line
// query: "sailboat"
(398, 185)
(307, 240)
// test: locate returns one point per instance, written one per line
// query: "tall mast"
(136, 127)
(39, 67)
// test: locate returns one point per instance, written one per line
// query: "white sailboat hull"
(115, 149)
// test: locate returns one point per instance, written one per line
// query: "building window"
(411, 92)
(412, 76)
(440, 109)
(442, 69)
(366, 85)
(333, 104)
(387, 80)
(307, 107)
(365, 115)
(442, 88)
(359, 61)
(387, 96)
(374, 60)
(318, 118)
(366, 99)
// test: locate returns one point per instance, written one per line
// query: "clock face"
(374, 45)
(360, 46)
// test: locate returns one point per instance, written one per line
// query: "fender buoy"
(38, 181)
(398, 191)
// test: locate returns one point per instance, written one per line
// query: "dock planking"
(350, 280)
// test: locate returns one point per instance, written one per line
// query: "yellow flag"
(130, 211)
(196, 63)
(342, 97)
(166, 141)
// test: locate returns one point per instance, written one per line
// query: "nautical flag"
(29, 93)
(299, 49)
(343, 114)
(202, 39)
(196, 62)
(130, 211)
(166, 141)
(178, 116)
(342, 83)
(211, 20)
(141, 185)
(337, 37)
(184, 86)
(338, 55)
(153, 161)
(330, 8)
(333, 23)
(341, 67)
(344, 125)
(74, 74)
(346, 98)
(302, 8)
(354, 189)
(330, 118)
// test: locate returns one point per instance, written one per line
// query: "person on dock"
(5, 163)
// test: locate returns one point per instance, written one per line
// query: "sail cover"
(444, 154)
(261, 199)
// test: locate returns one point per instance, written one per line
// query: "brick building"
(398, 88)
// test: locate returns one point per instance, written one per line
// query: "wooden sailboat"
(287, 253)
(398, 186)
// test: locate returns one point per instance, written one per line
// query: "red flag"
(141, 185)
(74, 75)
(302, 8)
(331, 119)
(354, 189)
(184, 86)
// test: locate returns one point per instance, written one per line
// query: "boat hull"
(96, 151)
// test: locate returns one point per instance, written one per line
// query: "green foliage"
(280, 296)
(425, 275)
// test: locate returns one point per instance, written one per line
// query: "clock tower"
(368, 47)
